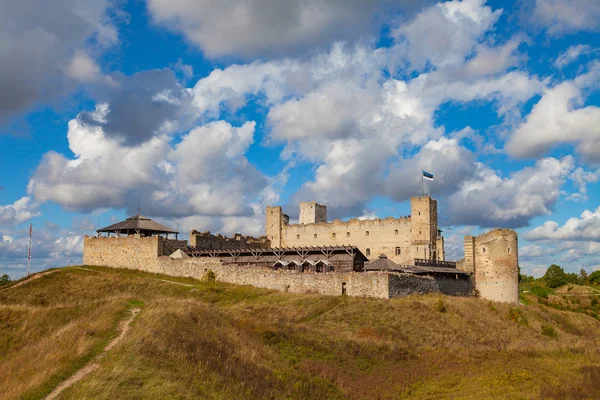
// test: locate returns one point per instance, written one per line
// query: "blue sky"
(209, 111)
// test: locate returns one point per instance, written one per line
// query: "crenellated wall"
(142, 253)
(400, 239)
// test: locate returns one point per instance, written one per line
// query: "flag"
(427, 176)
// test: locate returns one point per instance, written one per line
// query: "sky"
(204, 112)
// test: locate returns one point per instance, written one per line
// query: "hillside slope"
(217, 341)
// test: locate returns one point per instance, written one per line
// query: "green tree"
(4, 279)
(594, 277)
(555, 276)
(583, 277)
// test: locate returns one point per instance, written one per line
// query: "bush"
(594, 301)
(210, 276)
(549, 331)
(440, 306)
(517, 315)
(541, 291)
(594, 277)
(4, 279)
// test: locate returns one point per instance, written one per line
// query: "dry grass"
(219, 341)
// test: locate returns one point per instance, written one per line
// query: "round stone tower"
(496, 259)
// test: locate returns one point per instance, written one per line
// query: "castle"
(401, 239)
(381, 258)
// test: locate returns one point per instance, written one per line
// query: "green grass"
(218, 341)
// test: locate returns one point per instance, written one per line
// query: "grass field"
(219, 341)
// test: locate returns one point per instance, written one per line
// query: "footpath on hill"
(94, 364)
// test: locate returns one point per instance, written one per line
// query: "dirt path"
(93, 365)
(31, 278)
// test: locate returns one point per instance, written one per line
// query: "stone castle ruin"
(380, 258)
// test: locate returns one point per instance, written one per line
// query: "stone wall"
(373, 237)
(206, 240)
(455, 286)
(400, 239)
(405, 284)
(122, 252)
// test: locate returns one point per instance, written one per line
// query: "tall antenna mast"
(29, 252)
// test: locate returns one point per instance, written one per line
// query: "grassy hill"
(218, 341)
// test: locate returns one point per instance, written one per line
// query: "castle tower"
(274, 225)
(496, 265)
(424, 227)
(312, 212)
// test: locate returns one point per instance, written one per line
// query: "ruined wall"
(455, 287)
(206, 240)
(372, 237)
(312, 212)
(142, 253)
(405, 284)
(132, 252)
(496, 265)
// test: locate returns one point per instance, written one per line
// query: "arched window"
(315, 236)
(368, 252)
(347, 234)
(509, 250)
(396, 232)
(333, 235)
(297, 236)
(398, 251)
(367, 233)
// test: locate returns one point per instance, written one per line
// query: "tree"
(4, 279)
(583, 277)
(555, 276)
(595, 277)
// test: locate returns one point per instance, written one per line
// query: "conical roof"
(137, 223)
(382, 264)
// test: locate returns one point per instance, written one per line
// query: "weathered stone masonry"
(142, 254)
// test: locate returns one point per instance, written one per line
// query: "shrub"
(541, 291)
(517, 315)
(209, 276)
(440, 306)
(594, 301)
(549, 331)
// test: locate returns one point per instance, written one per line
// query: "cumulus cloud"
(445, 33)
(20, 211)
(83, 68)
(205, 173)
(267, 27)
(571, 54)
(586, 228)
(489, 200)
(450, 163)
(560, 117)
(564, 16)
(141, 106)
(37, 47)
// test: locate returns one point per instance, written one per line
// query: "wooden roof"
(137, 223)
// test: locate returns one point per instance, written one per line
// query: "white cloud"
(446, 33)
(266, 27)
(560, 117)
(492, 201)
(563, 16)
(206, 173)
(37, 41)
(572, 54)
(20, 211)
(585, 228)
(83, 68)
